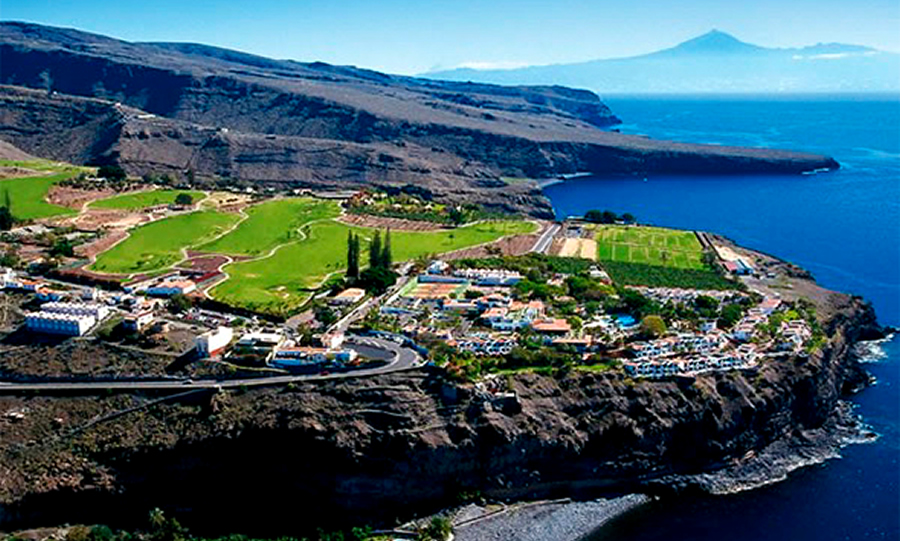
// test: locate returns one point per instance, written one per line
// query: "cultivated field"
(159, 245)
(142, 200)
(584, 248)
(27, 195)
(270, 225)
(279, 283)
(649, 246)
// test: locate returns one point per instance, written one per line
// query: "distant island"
(715, 62)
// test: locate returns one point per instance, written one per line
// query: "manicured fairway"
(650, 246)
(270, 225)
(141, 200)
(159, 245)
(276, 284)
(27, 195)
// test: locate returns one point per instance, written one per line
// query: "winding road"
(399, 359)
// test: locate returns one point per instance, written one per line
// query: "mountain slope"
(715, 62)
(179, 108)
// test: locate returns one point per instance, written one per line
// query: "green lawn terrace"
(271, 224)
(294, 244)
(282, 282)
(146, 199)
(161, 244)
(649, 246)
(28, 194)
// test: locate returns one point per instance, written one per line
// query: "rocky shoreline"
(557, 520)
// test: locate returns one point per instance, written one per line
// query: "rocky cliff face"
(225, 114)
(372, 450)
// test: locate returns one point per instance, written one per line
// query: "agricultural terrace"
(281, 283)
(649, 246)
(142, 200)
(656, 257)
(159, 245)
(27, 195)
(271, 224)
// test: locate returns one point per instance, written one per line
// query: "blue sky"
(415, 36)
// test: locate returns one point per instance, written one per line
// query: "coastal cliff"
(378, 449)
(214, 115)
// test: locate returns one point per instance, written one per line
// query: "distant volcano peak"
(714, 42)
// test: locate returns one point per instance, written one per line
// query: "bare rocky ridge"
(227, 114)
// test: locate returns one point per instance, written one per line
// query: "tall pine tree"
(6, 217)
(352, 255)
(375, 251)
(387, 258)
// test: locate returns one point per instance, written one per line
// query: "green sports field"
(278, 284)
(649, 246)
(142, 200)
(27, 195)
(270, 225)
(159, 245)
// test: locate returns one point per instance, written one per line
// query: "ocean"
(843, 226)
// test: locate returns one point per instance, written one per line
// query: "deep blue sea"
(844, 226)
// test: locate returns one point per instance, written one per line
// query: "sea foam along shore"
(560, 520)
(774, 463)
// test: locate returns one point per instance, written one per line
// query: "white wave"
(872, 351)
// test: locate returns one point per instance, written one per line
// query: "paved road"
(543, 243)
(400, 359)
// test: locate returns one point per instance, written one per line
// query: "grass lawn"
(141, 200)
(27, 194)
(270, 225)
(158, 245)
(649, 246)
(279, 284)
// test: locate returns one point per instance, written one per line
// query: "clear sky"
(403, 36)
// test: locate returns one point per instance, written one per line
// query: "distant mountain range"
(715, 62)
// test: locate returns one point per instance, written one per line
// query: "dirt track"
(514, 245)
(382, 222)
(74, 198)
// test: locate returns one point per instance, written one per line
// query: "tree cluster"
(112, 173)
(608, 217)
(379, 276)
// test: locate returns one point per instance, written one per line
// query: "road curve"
(402, 359)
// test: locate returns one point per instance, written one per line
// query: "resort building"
(348, 296)
(169, 288)
(297, 356)
(258, 345)
(485, 344)
(94, 310)
(57, 323)
(213, 343)
(138, 321)
(490, 277)
(552, 326)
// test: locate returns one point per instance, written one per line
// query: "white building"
(95, 310)
(137, 321)
(211, 343)
(56, 323)
(172, 287)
